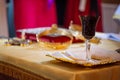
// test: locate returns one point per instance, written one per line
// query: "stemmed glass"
(88, 31)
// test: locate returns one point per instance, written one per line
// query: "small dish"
(17, 42)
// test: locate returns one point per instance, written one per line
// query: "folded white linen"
(33, 30)
(113, 36)
(78, 55)
(110, 36)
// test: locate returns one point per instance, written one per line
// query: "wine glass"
(88, 31)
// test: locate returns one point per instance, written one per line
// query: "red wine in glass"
(88, 31)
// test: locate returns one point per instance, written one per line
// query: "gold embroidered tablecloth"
(33, 60)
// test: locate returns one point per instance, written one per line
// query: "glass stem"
(88, 55)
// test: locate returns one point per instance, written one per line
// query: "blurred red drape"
(72, 12)
(34, 13)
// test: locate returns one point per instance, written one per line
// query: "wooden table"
(30, 63)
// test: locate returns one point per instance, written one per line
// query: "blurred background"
(20, 14)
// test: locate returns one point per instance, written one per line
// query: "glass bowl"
(55, 38)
